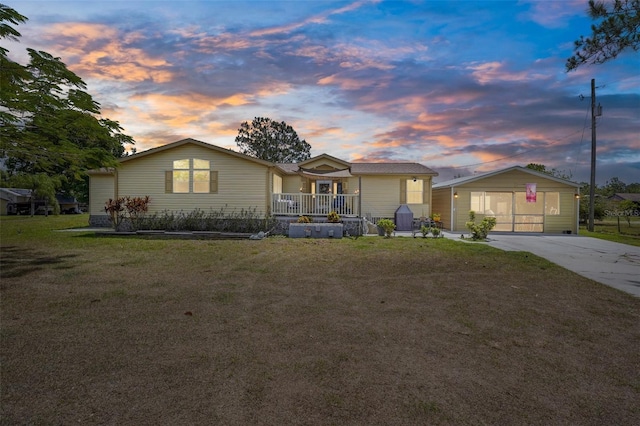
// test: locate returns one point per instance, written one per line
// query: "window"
(277, 184)
(191, 175)
(201, 177)
(477, 202)
(552, 203)
(181, 176)
(415, 191)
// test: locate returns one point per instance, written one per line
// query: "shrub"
(481, 230)
(244, 220)
(304, 219)
(333, 217)
(387, 225)
(133, 208)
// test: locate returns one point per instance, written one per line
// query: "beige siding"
(291, 184)
(441, 203)
(242, 184)
(461, 207)
(566, 220)
(325, 164)
(101, 189)
(381, 196)
(512, 181)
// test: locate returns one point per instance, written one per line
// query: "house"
(521, 200)
(10, 197)
(18, 201)
(189, 174)
(635, 198)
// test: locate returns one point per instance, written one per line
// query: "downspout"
(269, 191)
(453, 199)
(577, 201)
(360, 196)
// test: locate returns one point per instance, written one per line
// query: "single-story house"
(635, 198)
(189, 174)
(521, 200)
(12, 196)
(18, 201)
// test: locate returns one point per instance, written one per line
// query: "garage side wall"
(515, 181)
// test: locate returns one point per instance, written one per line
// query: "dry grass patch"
(279, 331)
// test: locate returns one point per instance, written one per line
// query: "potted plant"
(304, 219)
(435, 232)
(435, 217)
(387, 226)
(425, 231)
(333, 217)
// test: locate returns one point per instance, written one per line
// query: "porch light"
(415, 178)
(455, 195)
(577, 196)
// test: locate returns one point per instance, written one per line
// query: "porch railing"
(299, 204)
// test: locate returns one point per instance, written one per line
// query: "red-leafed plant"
(132, 208)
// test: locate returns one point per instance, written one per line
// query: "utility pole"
(592, 184)
(595, 112)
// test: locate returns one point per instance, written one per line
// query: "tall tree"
(272, 141)
(617, 29)
(49, 126)
(552, 172)
(613, 186)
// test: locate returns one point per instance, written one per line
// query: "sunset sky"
(460, 86)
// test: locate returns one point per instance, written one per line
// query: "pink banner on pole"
(531, 193)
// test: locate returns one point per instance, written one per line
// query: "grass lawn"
(371, 331)
(613, 230)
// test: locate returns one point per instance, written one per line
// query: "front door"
(323, 196)
(528, 215)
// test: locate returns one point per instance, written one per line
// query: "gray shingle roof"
(375, 169)
(391, 169)
(466, 179)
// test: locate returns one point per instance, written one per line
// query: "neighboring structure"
(521, 200)
(190, 174)
(10, 197)
(15, 201)
(635, 198)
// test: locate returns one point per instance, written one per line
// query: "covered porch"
(303, 204)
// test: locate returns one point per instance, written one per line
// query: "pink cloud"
(98, 51)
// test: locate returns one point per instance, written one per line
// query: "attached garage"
(521, 200)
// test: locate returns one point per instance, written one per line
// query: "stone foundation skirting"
(315, 230)
(99, 221)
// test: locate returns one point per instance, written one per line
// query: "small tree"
(627, 209)
(479, 231)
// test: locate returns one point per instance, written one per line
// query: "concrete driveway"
(614, 264)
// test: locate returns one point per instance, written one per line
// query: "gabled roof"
(626, 196)
(321, 156)
(292, 168)
(195, 142)
(20, 192)
(366, 168)
(467, 179)
(391, 169)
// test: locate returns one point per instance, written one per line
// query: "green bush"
(387, 225)
(244, 220)
(479, 231)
